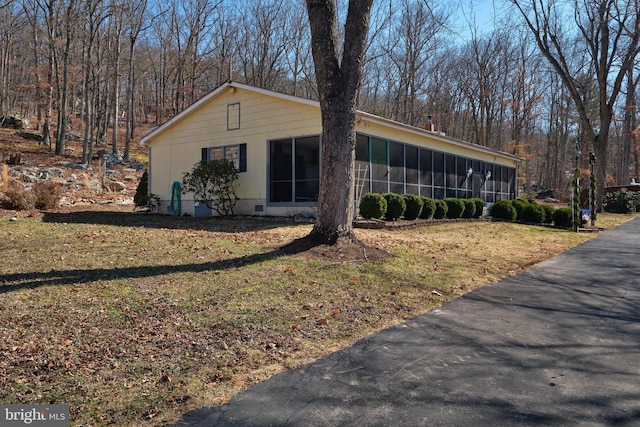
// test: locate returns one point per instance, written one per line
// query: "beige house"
(275, 140)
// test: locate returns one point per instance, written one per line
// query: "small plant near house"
(428, 208)
(469, 208)
(503, 209)
(141, 198)
(395, 206)
(414, 206)
(533, 213)
(373, 205)
(213, 183)
(563, 218)
(480, 204)
(441, 209)
(455, 207)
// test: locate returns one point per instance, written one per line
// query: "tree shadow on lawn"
(131, 219)
(310, 248)
(18, 281)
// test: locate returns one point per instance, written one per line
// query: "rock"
(54, 172)
(79, 166)
(115, 186)
(14, 122)
(13, 219)
(29, 178)
(110, 158)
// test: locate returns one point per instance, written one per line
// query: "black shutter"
(242, 167)
(205, 154)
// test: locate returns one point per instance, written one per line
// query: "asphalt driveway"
(556, 345)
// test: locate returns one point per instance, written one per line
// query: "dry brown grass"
(134, 319)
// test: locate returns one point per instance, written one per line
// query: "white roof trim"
(362, 115)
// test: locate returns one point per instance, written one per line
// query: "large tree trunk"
(338, 83)
(336, 198)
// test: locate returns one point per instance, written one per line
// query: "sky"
(478, 13)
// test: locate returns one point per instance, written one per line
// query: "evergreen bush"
(548, 213)
(562, 218)
(455, 207)
(519, 205)
(533, 213)
(395, 206)
(141, 198)
(503, 209)
(373, 205)
(441, 209)
(621, 201)
(480, 204)
(469, 208)
(414, 206)
(428, 207)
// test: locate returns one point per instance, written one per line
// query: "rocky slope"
(108, 180)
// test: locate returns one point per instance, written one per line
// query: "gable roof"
(360, 115)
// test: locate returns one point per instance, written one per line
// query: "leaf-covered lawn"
(136, 319)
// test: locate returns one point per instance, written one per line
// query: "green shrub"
(141, 198)
(480, 204)
(455, 207)
(548, 213)
(441, 209)
(428, 207)
(469, 208)
(562, 218)
(373, 205)
(395, 206)
(503, 209)
(519, 205)
(621, 201)
(214, 183)
(533, 213)
(414, 206)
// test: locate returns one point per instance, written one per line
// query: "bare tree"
(630, 124)
(608, 35)
(136, 14)
(338, 82)
(264, 36)
(416, 35)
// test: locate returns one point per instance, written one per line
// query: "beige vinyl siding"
(262, 118)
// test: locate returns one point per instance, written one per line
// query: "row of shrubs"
(392, 206)
(531, 212)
